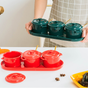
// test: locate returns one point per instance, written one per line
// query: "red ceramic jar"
(51, 58)
(12, 59)
(31, 58)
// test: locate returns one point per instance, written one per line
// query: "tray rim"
(32, 69)
(54, 37)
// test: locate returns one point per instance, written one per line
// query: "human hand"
(85, 35)
(28, 26)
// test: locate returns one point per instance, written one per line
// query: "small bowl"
(56, 28)
(40, 25)
(77, 77)
(73, 30)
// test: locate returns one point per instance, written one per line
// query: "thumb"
(30, 28)
(84, 33)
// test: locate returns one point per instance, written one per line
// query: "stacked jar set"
(32, 60)
(57, 30)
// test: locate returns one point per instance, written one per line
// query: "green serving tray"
(56, 37)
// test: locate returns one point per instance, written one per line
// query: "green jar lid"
(73, 26)
(40, 21)
(56, 24)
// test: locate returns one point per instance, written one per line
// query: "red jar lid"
(15, 78)
(51, 53)
(31, 53)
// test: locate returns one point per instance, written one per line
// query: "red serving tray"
(40, 68)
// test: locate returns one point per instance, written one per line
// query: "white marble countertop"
(75, 61)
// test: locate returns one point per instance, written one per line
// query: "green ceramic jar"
(73, 30)
(40, 25)
(56, 28)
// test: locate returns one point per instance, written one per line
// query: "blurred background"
(12, 23)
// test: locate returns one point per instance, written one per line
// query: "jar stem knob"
(67, 21)
(55, 48)
(85, 24)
